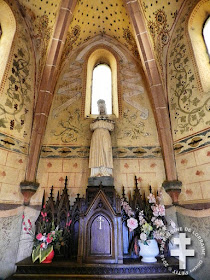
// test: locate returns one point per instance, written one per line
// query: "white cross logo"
(182, 252)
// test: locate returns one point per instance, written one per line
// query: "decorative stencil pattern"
(108, 17)
(194, 142)
(160, 17)
(12, 144)
(17, 94)
(190, 109)
(83, 152)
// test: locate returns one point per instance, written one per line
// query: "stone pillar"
(173, 188)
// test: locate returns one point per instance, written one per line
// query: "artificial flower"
(132, 224)
(143, 236)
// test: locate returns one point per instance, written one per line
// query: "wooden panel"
(100, 236)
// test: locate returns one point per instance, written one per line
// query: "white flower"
(143, 236)
(142, 221)
(158, 223)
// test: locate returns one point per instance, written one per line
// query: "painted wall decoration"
(17, 92)
(190, 107)
(13, 144)
(132, 88)
(194, 142)
(67, 125)
(40, 20)
(160, 17)
(104, 17)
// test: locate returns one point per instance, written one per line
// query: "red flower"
(39, 236)
(25, 228)
(49, 239)
(29, 221)
(42, 245)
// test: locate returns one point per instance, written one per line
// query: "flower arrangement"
(48, 238)
(149, 223)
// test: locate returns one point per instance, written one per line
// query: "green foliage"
(41, 254)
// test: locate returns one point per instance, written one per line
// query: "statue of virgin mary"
(101, 160)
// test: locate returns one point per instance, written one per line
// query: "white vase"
(149, 252)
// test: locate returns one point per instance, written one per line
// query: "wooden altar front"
(100, 232)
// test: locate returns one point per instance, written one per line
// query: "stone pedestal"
(103, 180)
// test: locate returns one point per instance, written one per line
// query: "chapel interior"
(158, 57)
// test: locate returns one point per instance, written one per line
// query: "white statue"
(101, 160)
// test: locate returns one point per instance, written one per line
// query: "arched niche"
(101, 55)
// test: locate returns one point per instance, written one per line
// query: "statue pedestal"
(103, 180)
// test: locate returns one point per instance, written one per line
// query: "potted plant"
(148, 225)
(48, 239)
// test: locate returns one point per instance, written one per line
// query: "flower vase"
(149, 252)
(49, 258)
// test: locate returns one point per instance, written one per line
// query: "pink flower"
(158, 210)
(23, 217)
(161, 210)
(44, 206)
(24, 223)
(29, 222)
(151, 198)
(155, 210)
(42, 214)
(25, 228)
(45, 214)
(132, 224)
(39, 236)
